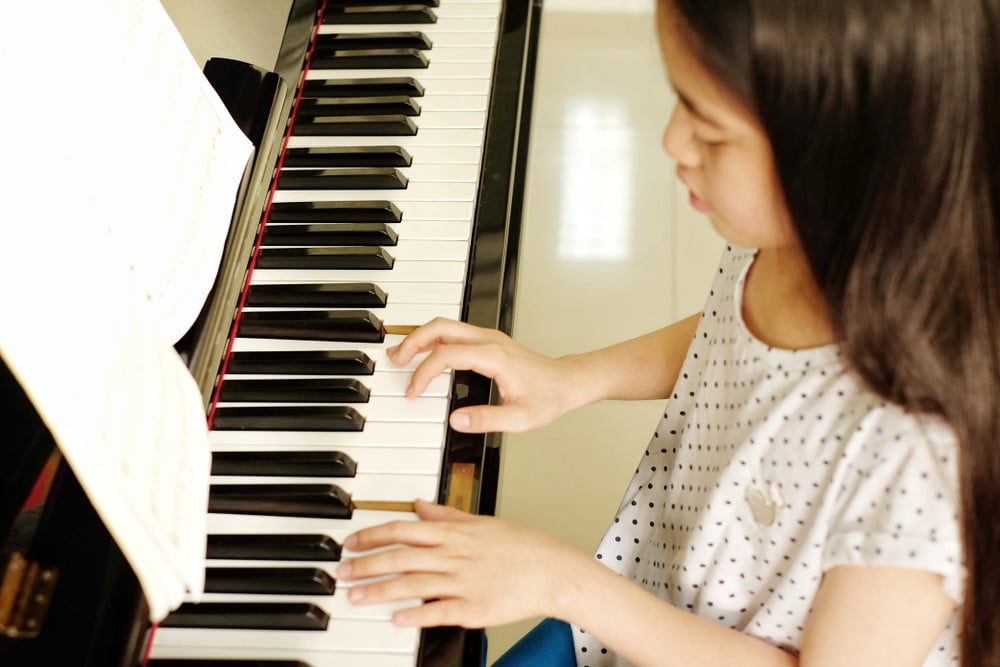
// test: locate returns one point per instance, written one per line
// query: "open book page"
(120, 170)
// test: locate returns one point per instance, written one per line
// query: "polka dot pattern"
(769, 467)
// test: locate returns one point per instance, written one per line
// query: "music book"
(120, 171)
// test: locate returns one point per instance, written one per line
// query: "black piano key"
(343, 41)
(301, 362)
(359, 326)
(405, 86)
(283, 463)
(399, 58)
(358, 126)
(269, 580)
(326, 501)
(317, 295)
(368, 3)
(378, 14)
(388, 105)
(223, 662)
(333, 258)
(306, 547)
(329, 157)
(288, 418)
(361, 234)
(248, 616)
(294, 390)
(356, 178)
(335, 211)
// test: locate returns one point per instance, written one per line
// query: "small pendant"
(764, 506)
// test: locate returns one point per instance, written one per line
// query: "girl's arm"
(535, 389)
(482, 571)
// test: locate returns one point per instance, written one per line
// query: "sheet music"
(119, 170)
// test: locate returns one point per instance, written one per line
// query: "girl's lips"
(698, 203)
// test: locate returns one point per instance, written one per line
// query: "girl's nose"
(678, 140)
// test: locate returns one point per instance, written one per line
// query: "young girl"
(822, 488)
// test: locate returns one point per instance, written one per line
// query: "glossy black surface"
(326, 501)
(288, 418)
(249, 616)
(305, 547)
(285, 463)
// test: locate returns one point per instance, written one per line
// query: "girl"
(821, 488)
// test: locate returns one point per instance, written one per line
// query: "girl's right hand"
(534, 389)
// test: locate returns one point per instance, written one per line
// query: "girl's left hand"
(472, 571)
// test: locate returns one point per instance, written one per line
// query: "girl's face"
(722, 154)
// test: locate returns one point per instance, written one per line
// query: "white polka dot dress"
(769, 467)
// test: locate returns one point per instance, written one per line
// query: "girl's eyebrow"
(696, 110)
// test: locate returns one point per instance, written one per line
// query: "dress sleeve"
(897, 502)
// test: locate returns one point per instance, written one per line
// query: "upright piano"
(390, 145)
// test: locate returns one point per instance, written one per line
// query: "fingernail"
(460, 421)
(344, 569)
(357, 594)
(391, 351)
(350, 541)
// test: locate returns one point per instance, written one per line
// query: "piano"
(390, 146)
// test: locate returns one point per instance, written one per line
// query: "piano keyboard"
(377, 234)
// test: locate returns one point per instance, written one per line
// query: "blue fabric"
(548, 644)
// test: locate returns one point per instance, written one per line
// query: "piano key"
(330, 234)
(381, 383)
(377, 409)
(429, 77)
(293, 390)
(353, 637)
(284, 463)
(380, 58)
(251, 615)
(450, 10)
(447, 24)
(376, 3)
(308, 362)
(368, 178)
(340, 325)
(263, 581)
(359, 126)
(288, 418)
(424, 172)
(363, 86)
(394, 487)
(428, 139)
(201, 656)
(403, 271)
(400, 460)
(318, 295)
(288, 547)
(400, 314)
(359, 106)
(345, 41)
(347, 156)
(196, 662)
(335, 258)
(416, 192)
(328, 501)
(350, 211)
(379, 14)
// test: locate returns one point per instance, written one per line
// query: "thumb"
(429, 511)
(488, 419)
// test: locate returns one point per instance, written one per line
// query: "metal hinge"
(25, 592)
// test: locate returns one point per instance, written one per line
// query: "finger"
(412, 533)
(490, 419)
(433, 512)
(394, 562)
(483, 357)
(418, 586)
(437, 613)
(437, 331)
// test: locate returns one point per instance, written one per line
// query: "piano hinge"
(25, 592)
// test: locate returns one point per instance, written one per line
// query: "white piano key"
(428, 192)
(364, 486)
(482, 55)
(423, 172)
(420, 435)
(344, 635)
(378, 409)
(426, 76)
(434, 101)
(395, 460)
(444, 24)
(399, 314)
(336, 605)
(380, 383)
(418, 250)
(331, 658)
(425, 140)
(338, 529)
(402, 271)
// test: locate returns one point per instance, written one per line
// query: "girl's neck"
(782, 305)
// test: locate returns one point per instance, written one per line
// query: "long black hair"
(884, 121)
